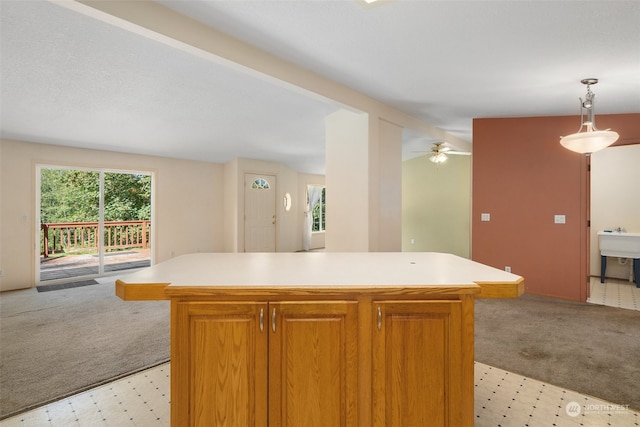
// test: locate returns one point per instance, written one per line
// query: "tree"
(69, 195)
(73, 196)
(127, 197)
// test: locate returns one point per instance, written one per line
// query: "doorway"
(259, 213)
(613, 190)
(92, 222)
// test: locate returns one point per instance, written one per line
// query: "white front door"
(259, 213)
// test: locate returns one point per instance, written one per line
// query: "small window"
(260, 184)
(318, 211)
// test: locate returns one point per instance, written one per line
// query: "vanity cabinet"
(282, 363)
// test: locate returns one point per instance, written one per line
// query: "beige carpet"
(57, 343)
(592, 349)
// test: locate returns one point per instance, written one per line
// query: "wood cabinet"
(293, 363)
(313, 359)
(417, 363)
(283, 363)
(321, 339)
(219, 365)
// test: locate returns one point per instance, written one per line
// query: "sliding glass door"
(92, 222)
(127, 221)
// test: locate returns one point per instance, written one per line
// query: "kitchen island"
(321, 338)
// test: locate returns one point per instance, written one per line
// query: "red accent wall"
(522, 177)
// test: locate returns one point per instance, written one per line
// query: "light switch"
(485, 217)
(559, 219)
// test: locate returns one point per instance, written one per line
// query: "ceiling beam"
(155, 21)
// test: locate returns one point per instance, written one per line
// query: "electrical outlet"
(413, 241)
(485, 217)
(507, 269)
(559, 219)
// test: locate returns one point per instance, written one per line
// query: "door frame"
(585, 291)
(102, 171)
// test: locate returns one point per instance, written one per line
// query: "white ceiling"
(70, 79)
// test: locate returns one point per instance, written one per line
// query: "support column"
(364, 183)
(389, 188)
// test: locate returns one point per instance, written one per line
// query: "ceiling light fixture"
(591, 139)
(438, 157)
(438, 153)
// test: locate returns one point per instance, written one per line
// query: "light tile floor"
(501, 399)
(509, 400)
(141, 399)
(615, 293)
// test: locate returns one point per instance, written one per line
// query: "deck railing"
(67, 237)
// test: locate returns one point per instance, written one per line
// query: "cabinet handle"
(273, 320)
(379, 319)
(262, 320)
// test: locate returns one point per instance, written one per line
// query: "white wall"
(436, 205)
(230, 201)
(198, 207)
(615, 200)
(188, 214)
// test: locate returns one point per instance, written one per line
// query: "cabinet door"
(313, 364)
(417, 356)
(220, 362)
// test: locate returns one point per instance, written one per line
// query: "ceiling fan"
(440, 151)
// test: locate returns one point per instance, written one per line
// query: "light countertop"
(322, 270)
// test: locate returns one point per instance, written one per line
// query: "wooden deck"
(73, 266)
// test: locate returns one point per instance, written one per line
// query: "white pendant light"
(589, 139)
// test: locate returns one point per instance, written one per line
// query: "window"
(260, 184)
(318, 211)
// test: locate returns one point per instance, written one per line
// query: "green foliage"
(318, 212)
(69, 196)
(127, 197)
(74, 196)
